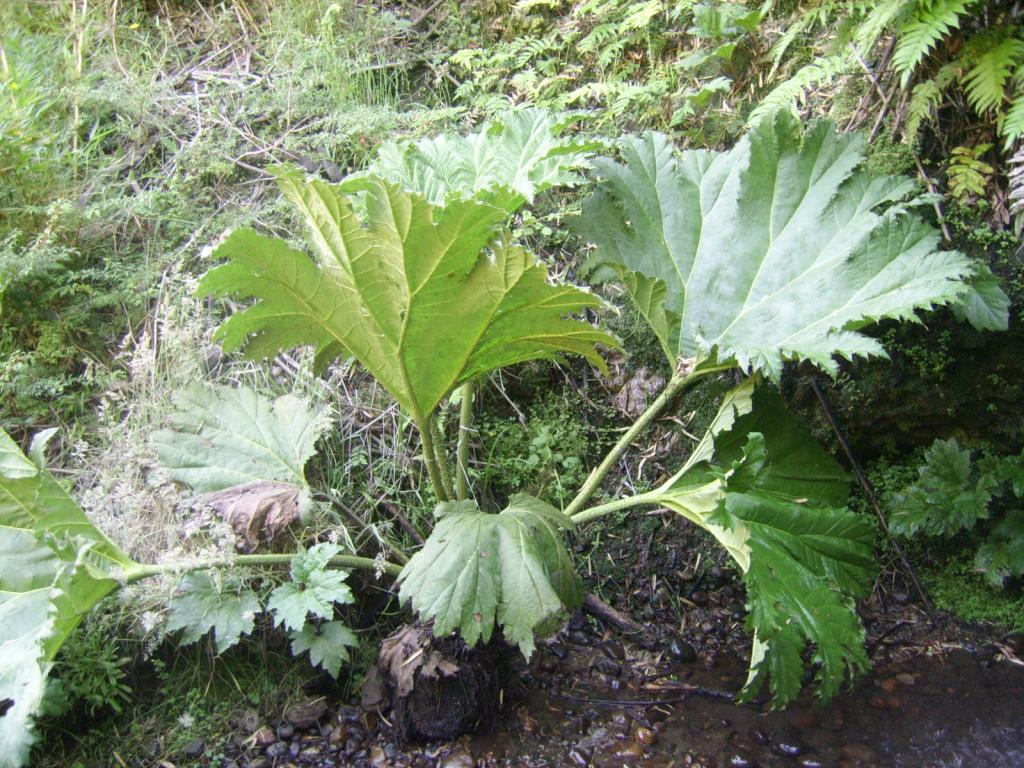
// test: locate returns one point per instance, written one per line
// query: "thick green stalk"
(430, 457)
(139, 572)
(442, 456)
(613, 506)
(676, 384)
(465, 434)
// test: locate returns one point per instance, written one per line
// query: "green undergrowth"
(179, 695)
(946, 566)
(956, 586)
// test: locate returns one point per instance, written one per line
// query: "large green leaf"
(426, 298)
(221, 437)
(506, 163)
(771, 496)
(479, 569)
(781, 248)
(55, 566)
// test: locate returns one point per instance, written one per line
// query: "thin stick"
(403, 521)
(869, 492)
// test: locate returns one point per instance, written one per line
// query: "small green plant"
(954, 493)
(968, 173)
(780, 249)
(91, 671)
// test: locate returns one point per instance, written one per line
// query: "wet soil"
(593, 696)
(940, 694)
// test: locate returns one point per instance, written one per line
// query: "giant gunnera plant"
(782, 249)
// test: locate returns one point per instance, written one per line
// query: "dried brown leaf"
(260, 510)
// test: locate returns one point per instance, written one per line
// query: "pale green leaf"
(425, 298)
(984, 306)
(775, 250)
(478, 570)
(221, 437)
(327, 643)
(55, 566)
(204, 605)
(508, 162)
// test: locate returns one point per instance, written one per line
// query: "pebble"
(682, 651)
(905, 679)
(194, 748)
(629, 749)
(276, 750)
(788, 744)
(646, 736)
(810, 761)
(377, 757)
(285, 732)
(264, 736)
(258, 762)
(305, 714)
(250, 721)
(459, 759)
(608, 667)
(739, 759)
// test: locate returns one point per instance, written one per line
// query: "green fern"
(968, 174)
(1012, 126)
(992, 56)
(793, 91)
(925, 99)
(877, 19)
(933, 20)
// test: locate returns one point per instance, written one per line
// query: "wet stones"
(305, 714)
(458, 759)
(682, 651)
(608, 667)
(646, 736)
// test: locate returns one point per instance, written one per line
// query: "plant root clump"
(437, 689)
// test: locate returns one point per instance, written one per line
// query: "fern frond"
(1012, 126)
(878, 18)
(640, 15)
(793, 91)
(992, 57)
(598, 36)
(924, 99)
(933, 20)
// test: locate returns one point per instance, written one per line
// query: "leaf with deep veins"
(778, 249)
(203, 605)
(506, 163)
(327, 644)
(772, 497)
(425, 298)
(478, 569)
(314, 589)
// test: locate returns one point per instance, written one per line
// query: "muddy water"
(947, 710)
